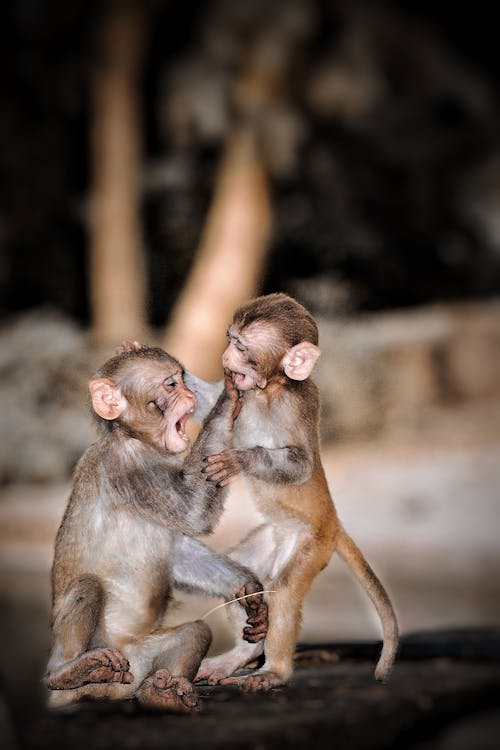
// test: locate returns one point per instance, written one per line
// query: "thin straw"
(246, 596)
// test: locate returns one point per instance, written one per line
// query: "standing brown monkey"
(127, 538)
(271, 352)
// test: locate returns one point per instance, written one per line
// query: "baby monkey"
(271, 353)
(126, 539)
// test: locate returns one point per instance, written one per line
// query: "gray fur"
(206, 394)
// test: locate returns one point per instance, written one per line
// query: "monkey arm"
(214, 437)
(288, 465)
(178, 497)
(205, 498)
(198, 569)
(206, 394)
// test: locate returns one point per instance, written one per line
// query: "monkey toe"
(166, 692)
(163, 679)
(217, 678)
(125, 678)
(115, 659)
(97, 666)
(250, 683)
(257, 684)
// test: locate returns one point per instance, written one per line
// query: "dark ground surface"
(444, 694)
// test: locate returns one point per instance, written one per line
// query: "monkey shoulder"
(107, 485)
(298, 402)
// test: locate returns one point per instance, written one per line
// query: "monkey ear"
(107, 398)
(298, 363)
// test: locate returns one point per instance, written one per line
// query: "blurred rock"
(385, 371)
(378, 373)
(45, 363)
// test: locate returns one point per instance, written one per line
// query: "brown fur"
(276, 446)
(127, 537)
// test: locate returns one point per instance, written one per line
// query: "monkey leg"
(216, 668)
(177, 655)
(290, 586)
(257, 552)
(72, 664)
(284, 625)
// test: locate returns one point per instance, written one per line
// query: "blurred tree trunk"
(229, 260)
(117, 278)
(228, 264)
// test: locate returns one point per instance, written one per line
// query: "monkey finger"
(214, 457)
(129, 346)
(216, 475)
(258, 618)
(229, 383)
(228, 480)
(125, 346)
(262, 628)
(219, 475)
(254, 603)
(235, 413)
(228, 471)
(213, 468)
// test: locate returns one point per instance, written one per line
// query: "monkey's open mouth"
(180, 425)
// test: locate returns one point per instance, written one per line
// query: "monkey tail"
(354, 558)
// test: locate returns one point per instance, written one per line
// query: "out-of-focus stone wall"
(388, 370)
(377, 372)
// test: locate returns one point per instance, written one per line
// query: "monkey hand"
(129, 346)
(234, 396)
(256, 609)
(222, 468)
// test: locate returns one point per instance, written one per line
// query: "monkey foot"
(167, 692)
(254, 683)
(99, 665)
(217, 668)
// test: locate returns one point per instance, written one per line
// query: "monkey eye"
(170, 382)
(241, 347)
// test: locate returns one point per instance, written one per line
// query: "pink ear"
(107, 398)
(298, 363)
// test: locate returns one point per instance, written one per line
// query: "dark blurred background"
(161, 162)
(380, 142)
